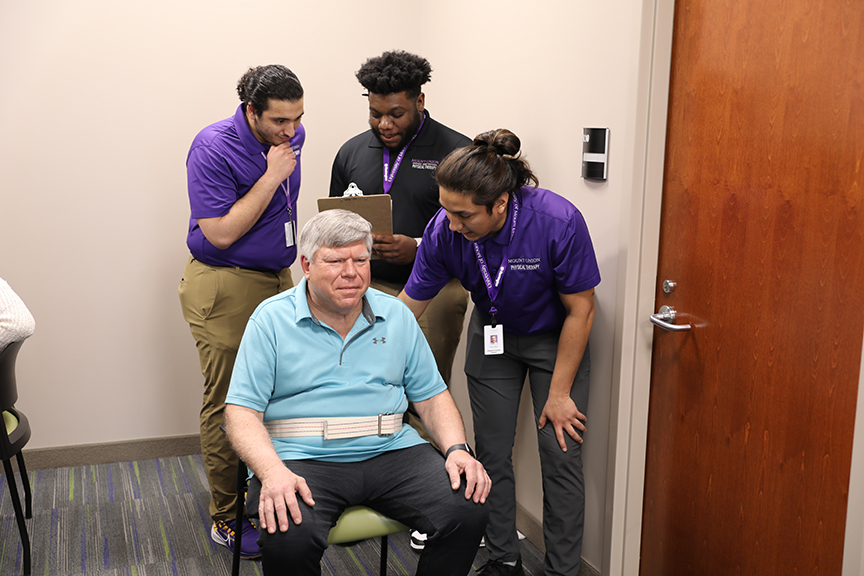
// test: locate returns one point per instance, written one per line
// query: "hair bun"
(493, 165)
(504, 142)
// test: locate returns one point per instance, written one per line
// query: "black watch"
(455, 447)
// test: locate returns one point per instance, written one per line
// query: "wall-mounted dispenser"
(595, 153)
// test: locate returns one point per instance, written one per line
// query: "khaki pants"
(217, 302)
(442, 325)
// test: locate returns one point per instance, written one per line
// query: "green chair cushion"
(359, 523)
(11, 422)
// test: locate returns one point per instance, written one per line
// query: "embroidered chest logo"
(381, 340)
(418, 164)
(524, 263)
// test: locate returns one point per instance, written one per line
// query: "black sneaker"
(493, 568)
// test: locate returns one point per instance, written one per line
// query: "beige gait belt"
(331, 428)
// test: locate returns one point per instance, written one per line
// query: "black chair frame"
(11, 445)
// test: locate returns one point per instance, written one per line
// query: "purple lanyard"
(284, 186)
(494, 287)
(388, 175)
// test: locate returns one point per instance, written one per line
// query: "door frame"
(634, 334)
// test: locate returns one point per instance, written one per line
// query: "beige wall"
(103, 98)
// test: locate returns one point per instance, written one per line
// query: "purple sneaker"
(223, 533)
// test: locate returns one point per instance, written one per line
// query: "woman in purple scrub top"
(525, 255)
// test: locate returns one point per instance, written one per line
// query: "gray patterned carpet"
(149, 518)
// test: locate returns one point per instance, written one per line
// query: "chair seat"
(17, 433)
(360, 523)
(11, 421)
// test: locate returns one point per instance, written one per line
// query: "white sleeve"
(16, 322)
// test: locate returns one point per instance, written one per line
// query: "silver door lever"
(665, 319)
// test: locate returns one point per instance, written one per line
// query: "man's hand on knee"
(278, 501)
(477, 481)
(565, 417)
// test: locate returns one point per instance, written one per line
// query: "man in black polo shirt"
(398, 156)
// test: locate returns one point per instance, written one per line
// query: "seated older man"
(323, 375)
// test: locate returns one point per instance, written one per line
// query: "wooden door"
(751, 412)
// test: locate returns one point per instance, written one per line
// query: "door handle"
(665, 319)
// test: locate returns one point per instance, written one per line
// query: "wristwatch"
(455, 447)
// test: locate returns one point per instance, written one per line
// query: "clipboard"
(376, 208)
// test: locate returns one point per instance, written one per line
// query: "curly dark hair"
(489, 168)
(395, 71)
(259, 85)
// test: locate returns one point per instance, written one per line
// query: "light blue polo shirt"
(290, 365)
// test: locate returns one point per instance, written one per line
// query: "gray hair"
(333, 229)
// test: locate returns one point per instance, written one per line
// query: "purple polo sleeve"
(574, 262)
(212, 187)
(430, 273)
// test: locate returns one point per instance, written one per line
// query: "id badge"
(493, 339)
(290, 234)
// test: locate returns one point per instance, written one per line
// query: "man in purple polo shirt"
(526, 257)
(243, 179)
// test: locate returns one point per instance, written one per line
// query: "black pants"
(495, 387)
(408, 485)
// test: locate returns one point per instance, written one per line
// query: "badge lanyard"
(290, 231)
(388, 175)
(493, 335)
(493, 288)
